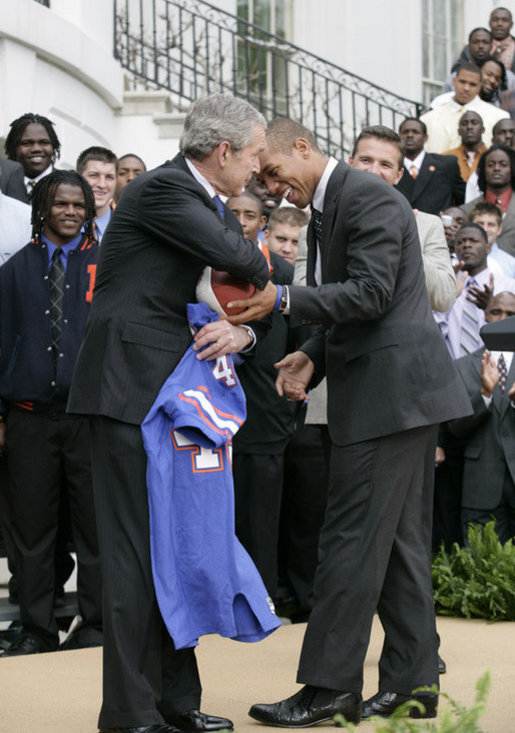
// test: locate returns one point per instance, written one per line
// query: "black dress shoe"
(194, 720)
(385, 703)
(309, 706)
(442, 667)
(156, 728)
(27, 645)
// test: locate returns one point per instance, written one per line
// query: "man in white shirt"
(15, 226)
(443, 119)
(461, 323)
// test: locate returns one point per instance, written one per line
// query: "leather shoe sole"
(385, 704)
(309, 706)
(155, 728)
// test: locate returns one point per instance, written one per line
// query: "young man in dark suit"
(390, 382)
(168, 225)
(430, 182)
(489, 453)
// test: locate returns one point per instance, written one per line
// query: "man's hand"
(295, 372)
(3, 435)
(256, 307)
(489, 374)
(219, 338)
(481, 296)
(439, 456)
(461, 277)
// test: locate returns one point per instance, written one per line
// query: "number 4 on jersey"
(223, 371)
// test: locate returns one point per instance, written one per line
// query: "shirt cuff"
(252, 335)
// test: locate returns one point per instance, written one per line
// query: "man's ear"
(302, 146)
(222, 152)
(262, 223)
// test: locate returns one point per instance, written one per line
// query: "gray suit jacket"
(387, 367)
(506, 240)
(489, 437)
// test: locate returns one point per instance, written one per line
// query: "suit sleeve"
(440, 278)
(173, 212)
(457, 182)
(368, 233)
(468, 369)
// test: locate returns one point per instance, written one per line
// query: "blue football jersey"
(204, 579)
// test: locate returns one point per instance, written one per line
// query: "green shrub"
(452, 716)
(476, 581)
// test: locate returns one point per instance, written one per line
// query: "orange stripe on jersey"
(220, 412)
(204, 417)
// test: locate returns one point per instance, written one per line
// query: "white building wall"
(59, 62)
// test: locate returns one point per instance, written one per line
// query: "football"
(216, 289)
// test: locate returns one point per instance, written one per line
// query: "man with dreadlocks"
(45, 296)
(32, 141)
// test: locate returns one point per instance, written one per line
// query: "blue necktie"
(219, 205)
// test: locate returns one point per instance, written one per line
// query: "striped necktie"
(56, 286)
(470, 325)
(503, 373)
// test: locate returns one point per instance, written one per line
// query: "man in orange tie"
(430, 182)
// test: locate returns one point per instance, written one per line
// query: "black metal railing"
(190, 47)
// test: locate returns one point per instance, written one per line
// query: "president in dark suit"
(489, 434)
(431, 182)
(390, 382)
(168, 225)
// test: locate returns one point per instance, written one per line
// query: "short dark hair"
(287, 215)
(471, 225)
(486, 207)
(468, 66)
(414, 119)
(132, 155)
(95, 153)
(380, 132)
(18, 126)
(252, 197)
(479, 28)
(43, 196)
(481, 178)
(282, 133)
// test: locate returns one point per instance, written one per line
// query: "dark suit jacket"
(162, 234)
(387, 366)
(437, 185)
(489, 437)
(11, 180)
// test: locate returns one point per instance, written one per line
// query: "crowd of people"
(363, 448)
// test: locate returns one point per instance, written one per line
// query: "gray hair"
(215, 118)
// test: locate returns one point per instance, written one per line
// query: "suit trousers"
(373, 555)
(258, 485)
(145, 679)
(42, 455)
(503, 513)
(303, 510)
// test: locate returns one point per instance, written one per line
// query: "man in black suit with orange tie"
(390, 382)
(431, 182)
(169, 224)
